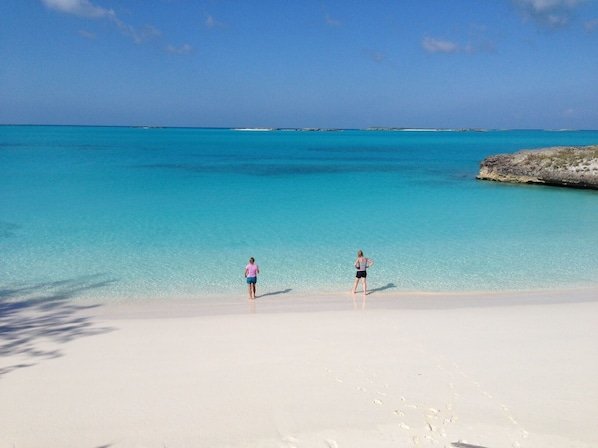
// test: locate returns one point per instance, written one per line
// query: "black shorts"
(361, 274)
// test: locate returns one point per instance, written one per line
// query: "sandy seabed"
(389, 370)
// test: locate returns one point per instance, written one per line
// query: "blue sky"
(288, 63)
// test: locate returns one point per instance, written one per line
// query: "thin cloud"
(432, 45)
(477, 43)
(547, 5)
(569, 113)
(86, 9)
(548, 13)
(182, 50)
(145, 33)
(87, 34)
(332, 22)
(82, 8)
(475, 27)
(591, 25)
(374, 55)
(211, 22)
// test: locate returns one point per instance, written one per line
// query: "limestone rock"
(565, 166)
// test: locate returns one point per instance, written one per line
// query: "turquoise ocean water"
(131, 213)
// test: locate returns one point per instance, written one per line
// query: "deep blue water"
(127, 213)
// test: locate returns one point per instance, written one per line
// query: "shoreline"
(414, 370)
(289, 302)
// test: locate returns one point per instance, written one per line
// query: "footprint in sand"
(433, 412)
(329, 372)
(432, 440)
(289, 442)
(431, 428)
(412, 406)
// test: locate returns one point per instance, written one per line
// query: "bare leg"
(249, 288)
(355, 286)
(253, 290)
(365, 286)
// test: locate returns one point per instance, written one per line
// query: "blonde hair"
(360, 253)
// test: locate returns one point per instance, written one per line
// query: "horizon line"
(306, 129)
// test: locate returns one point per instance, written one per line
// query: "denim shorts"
(251, 280)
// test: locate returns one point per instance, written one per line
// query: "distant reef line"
(562, 166)
(364, 129)
(306, 129)
(394, 129)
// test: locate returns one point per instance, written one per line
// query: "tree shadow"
(31, 315)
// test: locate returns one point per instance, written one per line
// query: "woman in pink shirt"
(251, 272)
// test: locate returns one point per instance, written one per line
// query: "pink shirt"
(252, 270)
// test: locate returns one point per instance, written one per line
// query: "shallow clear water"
(124, 213)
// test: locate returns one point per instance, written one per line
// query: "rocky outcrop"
(566, 166)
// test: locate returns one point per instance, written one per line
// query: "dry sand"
(463, 370)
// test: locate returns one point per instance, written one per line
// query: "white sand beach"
(437, 370)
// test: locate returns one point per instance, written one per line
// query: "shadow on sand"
(465, 445)
(275, 293)
(382, 288)
(31, 315)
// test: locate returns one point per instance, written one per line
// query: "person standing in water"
(251, 272)
(361, 264)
